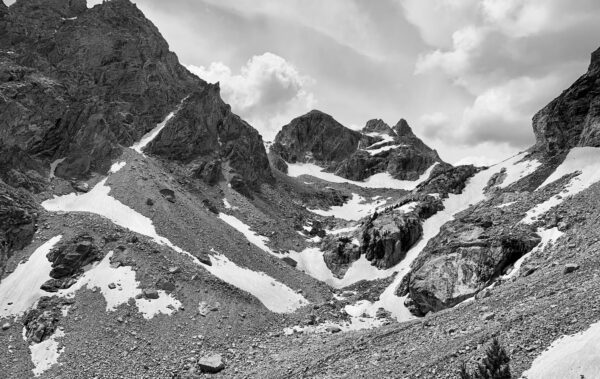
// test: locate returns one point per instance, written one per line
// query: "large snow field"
(381, 180)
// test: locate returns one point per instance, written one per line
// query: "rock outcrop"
(461, 261)
(68, 260)
(18, 217)
(318, 138)
(573, 118)
(204, 133)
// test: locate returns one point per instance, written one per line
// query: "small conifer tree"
(495, 365)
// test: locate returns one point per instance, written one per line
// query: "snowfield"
(20, 290)
(381, 180)
(586, 161)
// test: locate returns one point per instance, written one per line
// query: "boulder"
(388, 236)
(570, 267)
(211, 363)
(461, 261)
(69, 258)
(168, 194)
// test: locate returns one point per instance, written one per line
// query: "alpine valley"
(147, 231)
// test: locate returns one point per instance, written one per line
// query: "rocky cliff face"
(205, 132)
(78, 83)
(18, 216)
(318, 138)
(573, 118)
(81, 83)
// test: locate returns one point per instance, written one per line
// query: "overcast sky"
(467, 75)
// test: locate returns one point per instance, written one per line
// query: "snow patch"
(517, 169)
(151, 135)
(116, 167)
(574, 356)
(21, 289)
(548, 236)
(355, 209)
(46, 353)
(254, 238)
(228, 205)
(276, 296)
(102, 274)
(382, 149)
(585, 160)
(54, 165)
(506, 204)
(311, 262)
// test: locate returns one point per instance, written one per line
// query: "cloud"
(510, 57)
(499, 114)
(268, 91)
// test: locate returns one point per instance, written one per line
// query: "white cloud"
(268, 91)
(510, 57)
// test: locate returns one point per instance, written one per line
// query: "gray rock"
(570, 267)
(333, 329)
(211, 363)
(150, 293)
(5, 326)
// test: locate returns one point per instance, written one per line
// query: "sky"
(467, 75)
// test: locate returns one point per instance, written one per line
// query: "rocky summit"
(318, 138)
(147, 232)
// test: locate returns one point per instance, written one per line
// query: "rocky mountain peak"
(378, 126)
(315, 136)
(402, 129)
(573, 118)
(595, 61)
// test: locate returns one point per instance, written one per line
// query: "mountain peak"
(572, 119)
(403, 129)
(377, 126)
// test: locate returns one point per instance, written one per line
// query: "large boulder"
(69, 258)
(387, 237)
(573, 118)
(461, 261)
